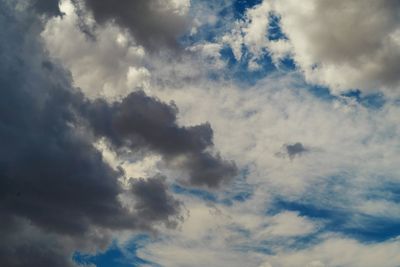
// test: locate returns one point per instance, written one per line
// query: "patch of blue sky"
(238, 69)
(116, 256)
(238, 191)
(254, 247)
(240, 6)
(334, 202)
(373, 100)
(274, 28)
(389, 191)
(209, 31)
(363, 227)
(269, 245)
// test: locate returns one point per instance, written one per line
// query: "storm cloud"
(153, 23)
(140, 122)
(57, 193)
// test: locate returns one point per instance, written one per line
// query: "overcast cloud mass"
(195, 133)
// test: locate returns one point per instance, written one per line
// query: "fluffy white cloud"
(108, 65)
(345, 44)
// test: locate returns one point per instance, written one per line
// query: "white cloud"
(287, 224)
(110, 66)
(345, 44)
(351, 147)
(336, 251)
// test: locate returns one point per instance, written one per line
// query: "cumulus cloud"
(109, 66)
(142, 122)
(57, 192)
(137, 16)
(124, 139)
(345, 45)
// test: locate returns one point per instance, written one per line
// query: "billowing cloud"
(345, 45)
(152, 200)
(57, 192)
(137, 16)
(143, 122)
(129, 152)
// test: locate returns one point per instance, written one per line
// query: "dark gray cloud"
(292, 150)
(35, 250)
(57, 194)
(296, 149)
(140, 122)
(152, 201)
(153, 23)
(49, 7)
(52, 178)
(150, 21)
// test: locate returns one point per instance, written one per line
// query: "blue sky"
(328, 203)
(196, 133)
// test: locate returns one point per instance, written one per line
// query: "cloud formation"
(140, 122)
(57, 192)
(344, 45)
(153, 23)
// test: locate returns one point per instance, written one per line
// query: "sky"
(190, 133)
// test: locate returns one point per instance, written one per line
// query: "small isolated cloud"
(293, 150)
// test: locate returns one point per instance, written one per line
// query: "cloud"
(293, 150)
(143, 122)
(125, 139)
(48, 7)
(139, 18)
(339, 251)
(153, 203)
(57, 192)
(358, 51)
(345, 45)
